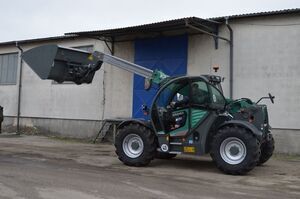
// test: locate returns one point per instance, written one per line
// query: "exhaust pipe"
(62, 64)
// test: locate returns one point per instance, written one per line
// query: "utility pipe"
(20, 88)
(230, 58)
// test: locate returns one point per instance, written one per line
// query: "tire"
(165, 156)
(135, 145)
(244, 150)
(267, 149)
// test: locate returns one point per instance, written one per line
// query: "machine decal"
(164, 147)
(197, 116)
(189, 149)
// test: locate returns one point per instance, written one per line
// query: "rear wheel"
(267, 149)
(135, 145)
(162, 155)
(235, 150)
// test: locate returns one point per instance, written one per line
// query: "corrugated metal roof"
(157, 26)
(259, 14)
(38, 40)
(150, 26)
(162, 24)
(163, 28)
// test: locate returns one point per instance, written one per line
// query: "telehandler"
(189, 114)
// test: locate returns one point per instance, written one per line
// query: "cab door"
(168, 120)
(206, 102)
(200, 99)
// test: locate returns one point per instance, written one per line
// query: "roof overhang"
(171, 27)
(38, 40)
(191, 25)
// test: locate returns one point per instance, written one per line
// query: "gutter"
(230, 58)
(20, 88)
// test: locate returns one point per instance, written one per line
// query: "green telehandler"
(189, 114)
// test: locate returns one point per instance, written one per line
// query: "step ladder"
(175, 146)
(107, 124)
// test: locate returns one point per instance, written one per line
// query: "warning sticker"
(189, 149)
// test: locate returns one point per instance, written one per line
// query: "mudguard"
(135, 121)
(256, 132)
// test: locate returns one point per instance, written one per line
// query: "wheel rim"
(233, 150)
(133, 145)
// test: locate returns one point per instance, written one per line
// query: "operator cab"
(183, 103)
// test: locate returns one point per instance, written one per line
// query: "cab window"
(174, 92)
(200, 94)
(216, 98)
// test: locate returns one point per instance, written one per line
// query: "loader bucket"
(62, 64)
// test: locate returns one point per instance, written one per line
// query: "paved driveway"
(40, 167)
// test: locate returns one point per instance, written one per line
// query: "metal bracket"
(109, 48)
(215, 35)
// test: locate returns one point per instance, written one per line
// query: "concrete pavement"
(40, 167)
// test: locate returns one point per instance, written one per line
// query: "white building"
(266, 48)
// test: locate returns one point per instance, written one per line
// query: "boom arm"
(68, 64)
(123, 64)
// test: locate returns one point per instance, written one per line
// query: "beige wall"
(43, 99)
(202, 56)
(119, 85)
(266, 59)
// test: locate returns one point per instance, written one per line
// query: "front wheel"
(235, 150)
(135, 145)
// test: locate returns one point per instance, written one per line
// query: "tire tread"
(252, 143)
(149, 147)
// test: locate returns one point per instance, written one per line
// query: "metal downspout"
(19, 89)
(112, 51)
(230, 58)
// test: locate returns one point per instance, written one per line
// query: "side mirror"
(272, 97)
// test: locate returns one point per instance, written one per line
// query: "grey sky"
(42, 18)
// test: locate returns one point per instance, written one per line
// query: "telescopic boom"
(69, 64)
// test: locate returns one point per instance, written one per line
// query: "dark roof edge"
(38, 40)
(258, 14)
(135, 26)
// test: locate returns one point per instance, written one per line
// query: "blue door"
(168, 54)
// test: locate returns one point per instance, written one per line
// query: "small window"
(8, 68)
